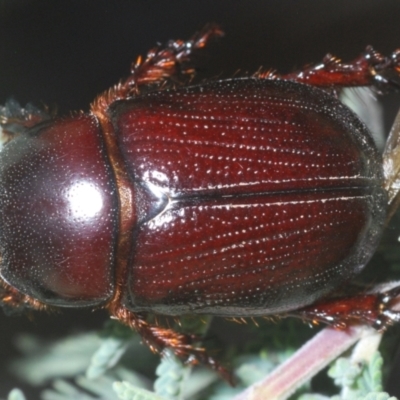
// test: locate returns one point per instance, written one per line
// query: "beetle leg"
(160, 339)
(369, 69)
(14, 301)
(160, 65)
(170, 62)
(373, 309)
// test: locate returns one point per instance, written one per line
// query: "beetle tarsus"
(373, 309)
(169, 62)
(160, 65)
(369, 69)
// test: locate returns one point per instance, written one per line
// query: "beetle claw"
(159, 66)
(369, 69)
(376, 309)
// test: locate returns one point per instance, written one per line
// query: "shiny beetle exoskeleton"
(242, 197)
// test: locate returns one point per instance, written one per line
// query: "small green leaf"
(65, 358)
(16, 394)
(344, 373)
(313, 397)
(377, 396)
(171, 376)
(126, 391)
(115, 339)
(371, 377)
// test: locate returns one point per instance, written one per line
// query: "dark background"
(63, 53)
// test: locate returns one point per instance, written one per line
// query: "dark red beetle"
(243, 197)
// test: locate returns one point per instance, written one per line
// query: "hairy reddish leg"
(159, 339)
(14, 301)
(369, 69)
(373, 309)
(160, 65)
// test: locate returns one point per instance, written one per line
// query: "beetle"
(243, 197)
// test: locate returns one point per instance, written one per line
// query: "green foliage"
(114, 364)
(114, 341)
(16, 394)
(109, 368)
(171, 375)
(126, 391)
(356, 382)
(43, 362)
(87, 366)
